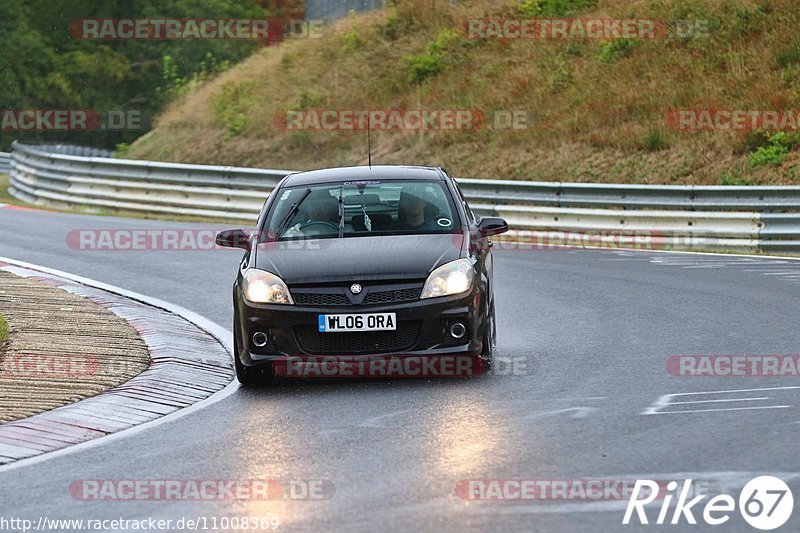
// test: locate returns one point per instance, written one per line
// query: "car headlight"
(454, 277)
(264, 287)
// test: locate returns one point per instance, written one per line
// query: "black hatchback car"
(361, 262)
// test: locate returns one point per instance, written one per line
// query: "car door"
(480, 246)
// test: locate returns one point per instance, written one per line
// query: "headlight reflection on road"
(467, 440)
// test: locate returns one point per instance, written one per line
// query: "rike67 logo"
(766, 503)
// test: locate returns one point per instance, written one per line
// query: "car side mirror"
(233, 238)
(489, 226)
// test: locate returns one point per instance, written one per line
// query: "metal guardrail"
(5, 162)
(41, 175)
(76, 149)
(743, 219)
(329, 10)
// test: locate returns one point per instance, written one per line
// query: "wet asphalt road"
(588, 334)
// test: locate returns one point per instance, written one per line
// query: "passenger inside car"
(415, 213)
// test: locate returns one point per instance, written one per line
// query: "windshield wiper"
(341, 212)
(290, 214)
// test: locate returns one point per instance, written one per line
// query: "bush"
(560, 72)
(769, 155)
(790, 56)
(231, 107)
(301, 140)
(352, 40)
(309, 100)
(655, 141)
(732, 178)
(423, 66)
(752, 142)
(775, 152)
(616, 49)
(121, 150)
(553, 8)
(391, 29)
(745, 21)
(444, 50)
(448, 40)
(176, 86)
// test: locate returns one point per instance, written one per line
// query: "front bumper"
(422, 330)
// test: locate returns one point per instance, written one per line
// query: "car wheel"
(489, 338)
(248, 376)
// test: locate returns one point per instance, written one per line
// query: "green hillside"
(597, 110)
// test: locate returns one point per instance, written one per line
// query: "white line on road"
(579, 412)
(666, 401)
(693, 411)
(733, 391)
(544, 400)
(721, 401)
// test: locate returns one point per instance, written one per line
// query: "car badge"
(355, 288)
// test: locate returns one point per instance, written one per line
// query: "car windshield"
(357, 209)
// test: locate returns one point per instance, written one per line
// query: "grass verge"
(4, 331)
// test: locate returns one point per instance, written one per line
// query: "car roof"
(363, 173)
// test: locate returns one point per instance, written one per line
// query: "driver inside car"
(323, 216)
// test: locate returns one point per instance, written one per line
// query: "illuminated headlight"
(452, 278)
(263, 287)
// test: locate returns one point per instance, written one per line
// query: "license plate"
(370, 322)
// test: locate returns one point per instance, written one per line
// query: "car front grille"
(313, 342)
(318, 299)
(385, 297)
(339, 295)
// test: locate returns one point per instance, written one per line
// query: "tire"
(248, 376)
(489, 338)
